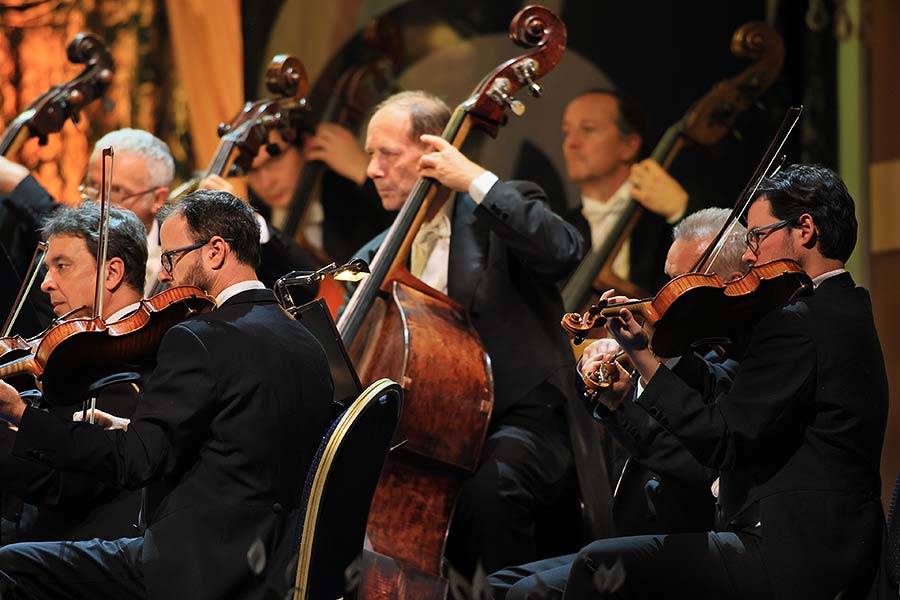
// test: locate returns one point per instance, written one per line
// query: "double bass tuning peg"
(499, 93)
(525, 71)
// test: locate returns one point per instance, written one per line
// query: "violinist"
(797, 437)
(222, 443)
(497, 249)
(347, 212)
(602, 140)
(662, 487)
(74, 507)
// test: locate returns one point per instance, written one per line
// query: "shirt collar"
(817, 281)
(123, 312)
(237, 288)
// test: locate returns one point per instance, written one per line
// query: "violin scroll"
(578, 326)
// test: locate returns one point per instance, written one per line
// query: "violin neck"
(396, 246)
(580, 287)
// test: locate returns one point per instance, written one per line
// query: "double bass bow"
(705, 124)
(699, 309)
(396, 326)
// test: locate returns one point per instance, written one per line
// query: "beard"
(196, 276)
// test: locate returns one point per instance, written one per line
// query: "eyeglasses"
(757, 234)
(117, 195)
(168, 264)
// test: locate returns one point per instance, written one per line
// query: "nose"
(47, 284)
(571, 140)
(163, 276)
(374, 170)
(749, 256)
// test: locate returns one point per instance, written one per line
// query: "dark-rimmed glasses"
(168, 264)
(757, 234)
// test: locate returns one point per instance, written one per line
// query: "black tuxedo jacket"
(797, 439)
(225, 432)
(506, 255)
(663, 489)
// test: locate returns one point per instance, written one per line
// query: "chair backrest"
(892, 540)
(339, 490)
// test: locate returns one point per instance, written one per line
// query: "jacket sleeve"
(543, 241)
(725, 428)
(166, 430)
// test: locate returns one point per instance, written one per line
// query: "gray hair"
(427, 112)
(155, 153)
(127, 236)
(704, 225)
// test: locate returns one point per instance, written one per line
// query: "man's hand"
(448, 165)
(338, 148)
(11, 175)
(214, 182)
(603, 352)
(104, 420)
(635, 342)
(657, 191)
(12, 407)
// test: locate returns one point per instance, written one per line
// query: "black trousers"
(89, 570)
(524, 464)
(691, 565)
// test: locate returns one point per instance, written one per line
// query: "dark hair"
(427, 113)
(819, 192)
(127, 236)
(216, 212)
(631, 118)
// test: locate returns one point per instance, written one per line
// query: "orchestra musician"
(662, 488)
(797, 437)
(602, 140)
(70, 506)
(497, 249)
(222, 443)
(347, 211)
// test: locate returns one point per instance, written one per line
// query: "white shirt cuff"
(669, 364)
(481, 185)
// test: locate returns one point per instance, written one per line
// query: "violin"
(76, 352)
(698, 309)
(706, 122)
(242, 137)
(49, 112)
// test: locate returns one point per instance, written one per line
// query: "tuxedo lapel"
(468, 252)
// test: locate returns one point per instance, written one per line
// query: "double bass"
(397, 326)
(705, 124)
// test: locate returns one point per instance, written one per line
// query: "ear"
(115, 273)
(160, 195)
(631, 145)
(215, 253)
(806, 231)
